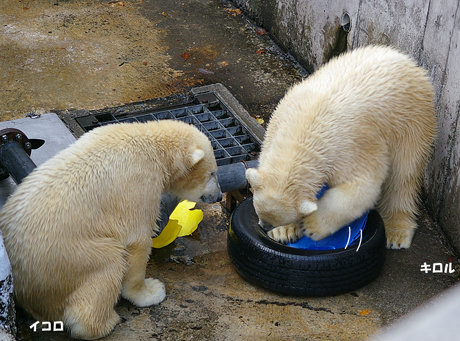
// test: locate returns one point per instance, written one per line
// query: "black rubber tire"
(298, 272)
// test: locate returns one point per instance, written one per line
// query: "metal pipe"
(232, 177)
(15, 161)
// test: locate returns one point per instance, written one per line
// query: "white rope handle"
(349, 236)
(360, 239)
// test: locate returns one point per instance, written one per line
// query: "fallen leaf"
(224, 63)
(25, 8)
(205, 71)
(116, 3)
(365, 312)
(234, 11)
(144, 63)
(185, 56)
(260, 120)
(163, 14)
(261, 51)
(261, 31)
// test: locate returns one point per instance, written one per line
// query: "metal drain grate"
(231, 139)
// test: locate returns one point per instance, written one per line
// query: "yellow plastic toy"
(182, 222)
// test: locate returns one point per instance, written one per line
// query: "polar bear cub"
(364, 124)
(78, 228)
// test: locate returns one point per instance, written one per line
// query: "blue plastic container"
(341, 239)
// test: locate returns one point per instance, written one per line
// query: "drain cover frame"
(234, 134)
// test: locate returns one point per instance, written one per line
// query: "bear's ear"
(307, 207)
(254, 177)
(197, 156)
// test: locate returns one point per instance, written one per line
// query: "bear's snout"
(209, 199)
(212, 192)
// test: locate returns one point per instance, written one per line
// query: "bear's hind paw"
(399, 240)
(91, 328)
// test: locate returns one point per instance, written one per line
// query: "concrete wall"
(428, 30)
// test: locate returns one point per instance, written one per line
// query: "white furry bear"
(364, 124)
(78, 228)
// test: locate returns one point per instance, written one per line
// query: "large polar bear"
(364, 124)
(78, 228)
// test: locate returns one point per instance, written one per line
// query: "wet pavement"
(63, 56)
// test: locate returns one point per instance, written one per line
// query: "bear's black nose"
(209, 199)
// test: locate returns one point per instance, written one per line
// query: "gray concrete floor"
(61, 56)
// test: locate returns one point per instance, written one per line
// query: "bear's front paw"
(286, 234)
(316, 228)
(152, 292)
